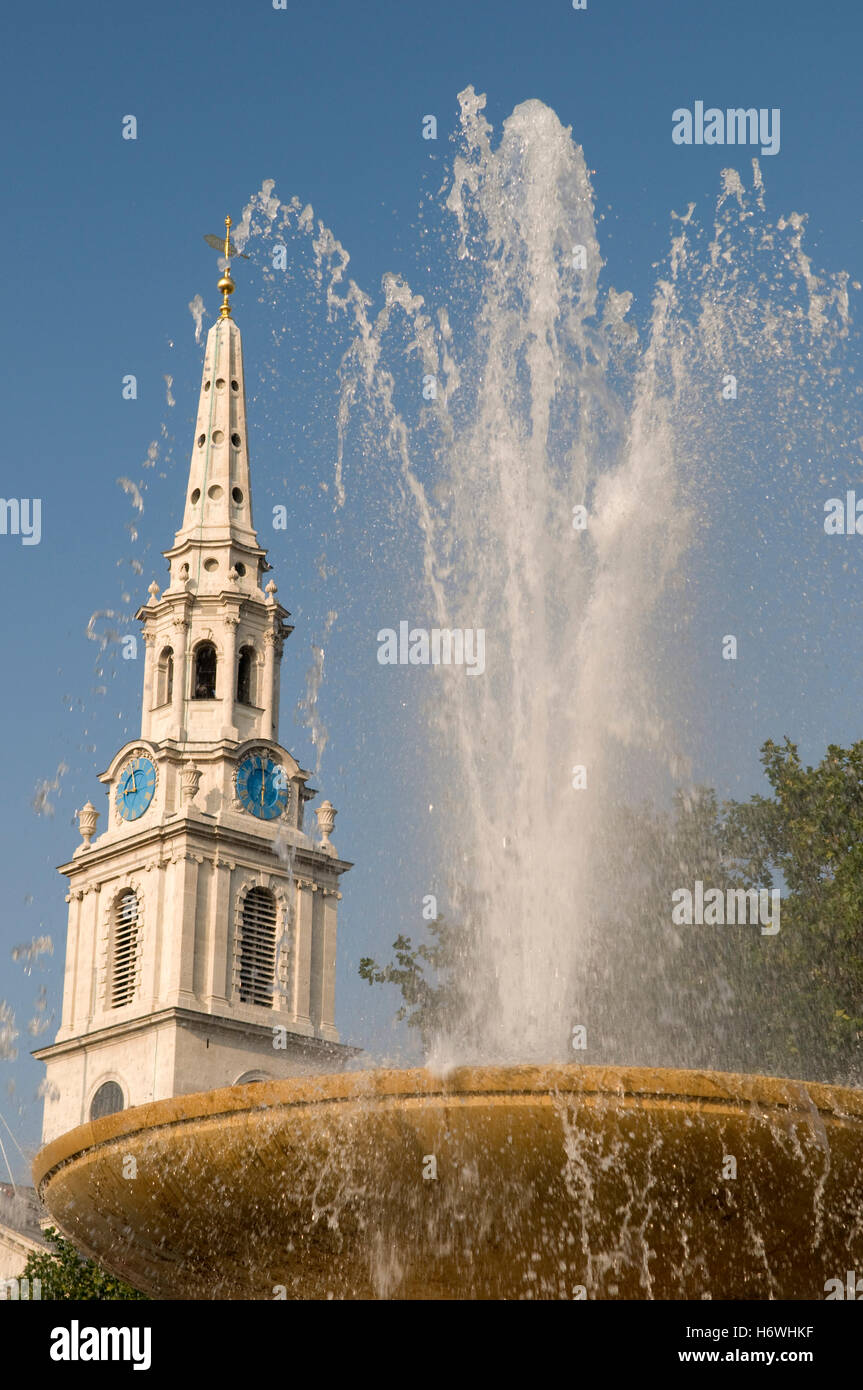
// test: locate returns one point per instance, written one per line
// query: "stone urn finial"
(153, 591)
(87, 818)
(326, 814)
(271, 591)
(190, 780)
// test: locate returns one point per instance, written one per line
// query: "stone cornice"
(195, 1018)
(202, 753)
(182, 598)
(206, 839)
(192, 603)
(23, 1245)
(219, 542)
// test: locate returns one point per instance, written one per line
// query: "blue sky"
(103, 252)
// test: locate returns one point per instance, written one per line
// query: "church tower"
(201, 942)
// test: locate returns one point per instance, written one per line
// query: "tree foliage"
(705, 996)
(810, 835)
(432, 977)
(65, 1274)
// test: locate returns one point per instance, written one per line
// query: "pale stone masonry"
(20, 1235)
(169, 962)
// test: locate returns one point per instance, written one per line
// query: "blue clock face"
(262, 786)
(135, 788)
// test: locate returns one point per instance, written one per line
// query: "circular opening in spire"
(237, 495)
(201, 440)
(235, 440)
(210, 565)
(218, 436)
(195, 497)
(240, 568)
(235, 385)
(220, 384)
(207, 385)
(214, 492)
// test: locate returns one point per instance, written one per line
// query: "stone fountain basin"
(551, 1182)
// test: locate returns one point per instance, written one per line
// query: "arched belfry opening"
(165, 677)
(204, 685)
(246, 676)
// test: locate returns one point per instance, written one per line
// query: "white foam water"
(541, 397)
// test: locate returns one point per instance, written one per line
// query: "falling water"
(567, 715)
(553, 457)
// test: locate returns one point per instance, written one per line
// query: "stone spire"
(217, 534)
(216, 591)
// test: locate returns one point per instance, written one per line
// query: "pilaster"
(229, 686)
(306, 890)
(149, 637)
(181, 675)
(327, 1006)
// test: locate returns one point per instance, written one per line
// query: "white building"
(20, 1236)
(201, 941)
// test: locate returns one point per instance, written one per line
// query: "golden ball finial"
(228, 249)
(226, 284)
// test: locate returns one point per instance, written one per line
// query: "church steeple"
(215, 594)
(218, 504)
(202, 922)
(217, 519)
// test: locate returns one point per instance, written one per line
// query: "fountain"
(547, 1182)
(569, 463)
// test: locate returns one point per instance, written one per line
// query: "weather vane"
(228, 250)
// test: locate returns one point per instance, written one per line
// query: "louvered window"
(108, 1100)
(258, 948)
(124, 949)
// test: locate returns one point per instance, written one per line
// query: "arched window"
(258, 948)
(165, 677)
(108, 1100)
(124, 949)
(245, 676)
(205, 672)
